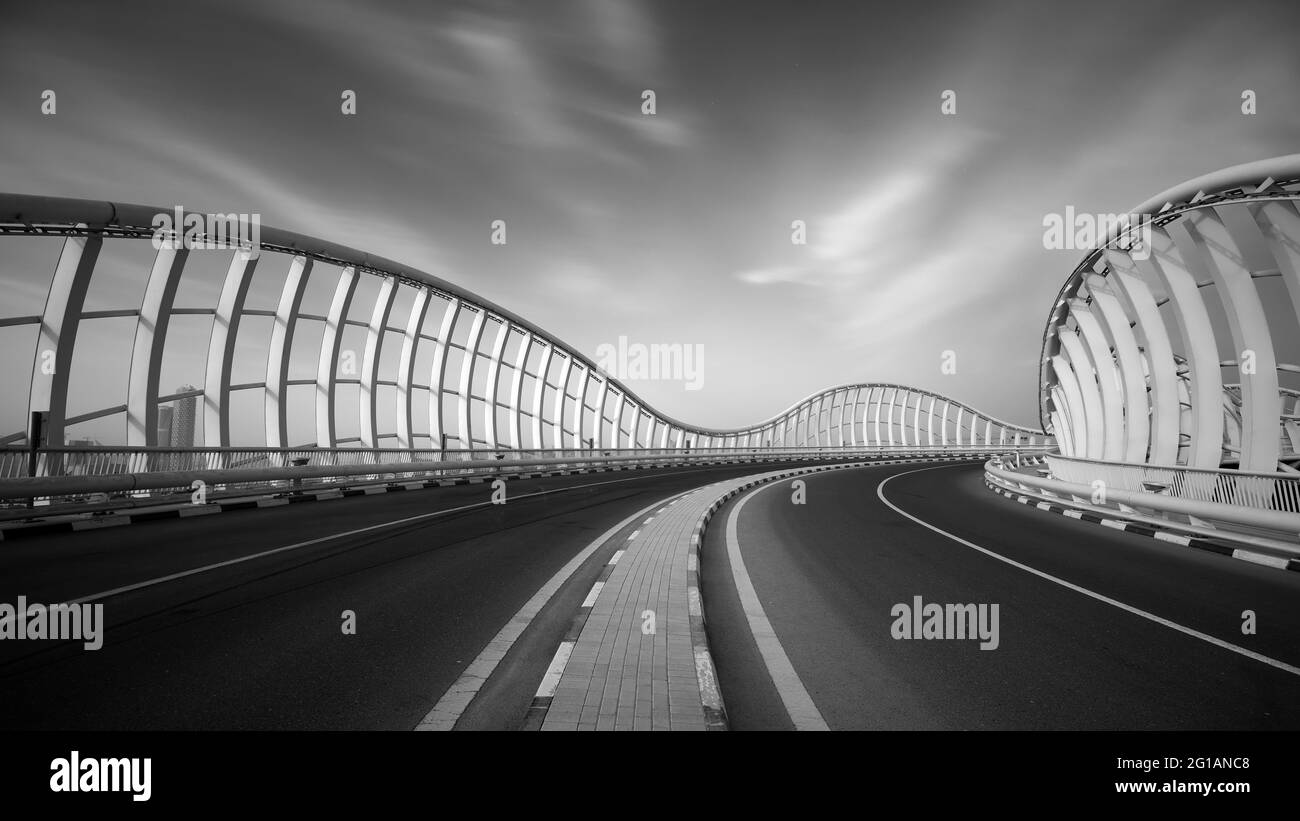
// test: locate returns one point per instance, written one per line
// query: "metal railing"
(74, 474)
(1259, 491)
(1274, 532)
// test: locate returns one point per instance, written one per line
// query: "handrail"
(1145, 466)
(1252, 491)
(47, 486)
(1283, 524)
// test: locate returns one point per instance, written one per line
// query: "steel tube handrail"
(1254, 490)
(1282, 521)
(45, 486)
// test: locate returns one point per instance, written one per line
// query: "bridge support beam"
(438, 374)
(517, 390)
(369, 394)
(277, 360)
(221, 351)
(57, 339)
(1212, 252)
(465, 390)
(328, 362)
(490, 386)
(406, 369)
(147, 350)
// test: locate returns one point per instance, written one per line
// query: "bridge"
(448, 518)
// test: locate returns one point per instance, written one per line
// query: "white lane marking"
(590, 601)
(551, 681)
(798, 704)
(618, 554)
(453, 703)
(117, 591)
(1260, 558)
(457, 698)
(634, 535)
(648, 521)
(1128, 608)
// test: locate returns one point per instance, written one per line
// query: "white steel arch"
(1193, 334)
(860, 415)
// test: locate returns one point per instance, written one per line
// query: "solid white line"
(1128, 608)
(551, 681)
(590, 601)
(457, 698)
(116, 591)
(798, 704)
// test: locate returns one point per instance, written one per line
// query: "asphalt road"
(432, 575)
(829, 572)
(258, 644)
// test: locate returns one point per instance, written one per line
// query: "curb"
(711, 702)
(1196, 542)
(710, 692)
(181, 510)
(541, 703)
(23, 530)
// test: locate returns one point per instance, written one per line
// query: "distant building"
(182, 419)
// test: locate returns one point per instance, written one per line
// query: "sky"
(924, 230)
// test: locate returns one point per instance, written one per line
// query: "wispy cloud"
(923, 231)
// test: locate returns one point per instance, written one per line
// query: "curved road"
(258, 644)
(1136, 643)
(254, 640)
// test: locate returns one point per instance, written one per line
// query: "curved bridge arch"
(494, 380)
(1185, 350)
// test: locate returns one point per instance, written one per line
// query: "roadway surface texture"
(1096, 628)
(237, 621)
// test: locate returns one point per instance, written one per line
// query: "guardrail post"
(298, 461)
(35, 438)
